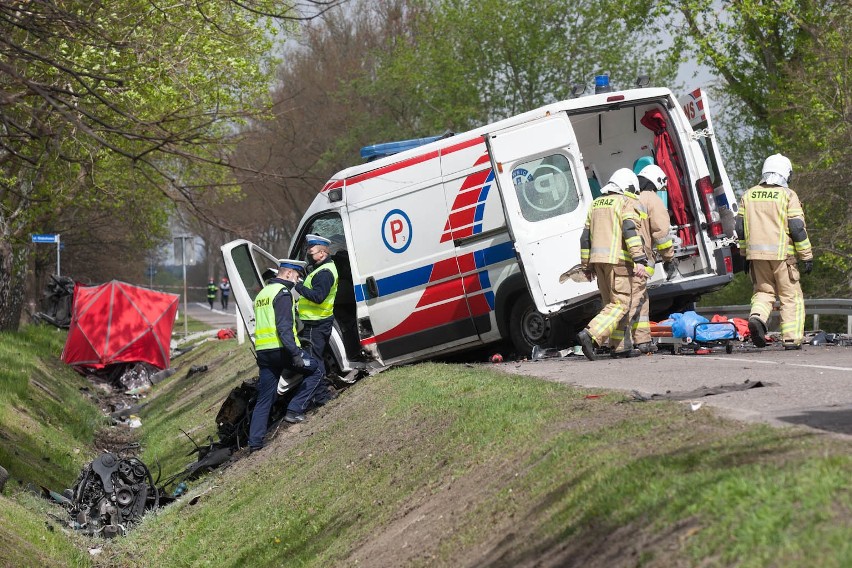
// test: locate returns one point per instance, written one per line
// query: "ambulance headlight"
(335, 194)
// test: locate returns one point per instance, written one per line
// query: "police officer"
(278, 348)
(611, 250)
(654, 229)
(316, 306)
(771, 228)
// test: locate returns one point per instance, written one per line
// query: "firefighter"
(771, 228)
(611, 250)
(278, 349)
(212, 290)
(654, 229)
(316, 306)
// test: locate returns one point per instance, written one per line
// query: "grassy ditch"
(47, 419)
(449, 465)
(458, 465)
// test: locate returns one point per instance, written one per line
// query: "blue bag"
(684, 324)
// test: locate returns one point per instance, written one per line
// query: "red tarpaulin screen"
(120, 323)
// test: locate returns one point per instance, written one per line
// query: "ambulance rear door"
(696, 106)
(539, 173)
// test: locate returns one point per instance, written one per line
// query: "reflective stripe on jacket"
(658, 226)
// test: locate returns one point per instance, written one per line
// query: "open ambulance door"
(539, 170)
(696, 106)
(245, 263)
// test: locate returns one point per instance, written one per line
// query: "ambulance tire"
(528, 327)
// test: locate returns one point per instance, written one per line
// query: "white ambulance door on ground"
(696, 106)
(407, 276)
(245, 264)
(538, 170)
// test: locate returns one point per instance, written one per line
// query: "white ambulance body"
(460, 242)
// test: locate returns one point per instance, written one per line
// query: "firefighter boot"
(587, 344)
(757, 329)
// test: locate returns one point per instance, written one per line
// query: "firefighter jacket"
(771, 224)
(318, 292)
(611, 235)
(212, 290)
(275, 318)
(655, 229)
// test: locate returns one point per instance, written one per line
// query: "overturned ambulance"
(454, 242)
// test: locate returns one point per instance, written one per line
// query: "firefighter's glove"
(588, 274)
(807, 266)
(670, 266)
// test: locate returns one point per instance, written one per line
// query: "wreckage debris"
(111, 494)
(701, 392)
(56, 302)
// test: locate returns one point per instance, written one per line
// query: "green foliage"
(782, 65)
(125, 106)
(468, 63)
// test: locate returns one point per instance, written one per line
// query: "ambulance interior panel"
(615, 138)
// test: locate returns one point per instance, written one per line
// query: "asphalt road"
(215, 318)
(812, 387)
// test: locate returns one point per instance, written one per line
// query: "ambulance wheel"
(528, 327)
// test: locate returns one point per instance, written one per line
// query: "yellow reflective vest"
(265, 332)
(310, 311)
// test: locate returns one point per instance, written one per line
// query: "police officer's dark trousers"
(317, 333)
(271, 363)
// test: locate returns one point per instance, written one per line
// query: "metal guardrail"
(816, 307)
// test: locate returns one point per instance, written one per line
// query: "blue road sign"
(45, 238)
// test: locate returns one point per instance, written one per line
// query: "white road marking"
(765, 362)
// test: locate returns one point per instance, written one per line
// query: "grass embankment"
(454, 465)
(47, 425)
(449, 465)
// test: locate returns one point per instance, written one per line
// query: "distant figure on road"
(771, 229)
(212, 290)
(225, 289)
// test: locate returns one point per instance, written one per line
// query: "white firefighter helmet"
(777, 170)
(656, 175)
(623, 180)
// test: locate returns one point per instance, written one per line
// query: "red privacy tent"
(119, 323)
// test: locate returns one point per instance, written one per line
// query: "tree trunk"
(12, 272)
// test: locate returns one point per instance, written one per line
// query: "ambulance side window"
(545, 187)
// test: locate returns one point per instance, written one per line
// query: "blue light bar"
(602, 84)
(377, 151)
